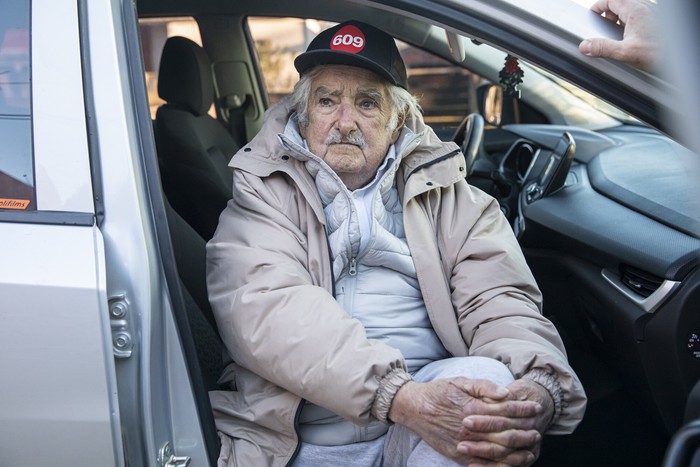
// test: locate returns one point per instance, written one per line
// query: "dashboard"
(610, 224)
(629, 194)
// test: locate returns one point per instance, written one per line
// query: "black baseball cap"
(356, 44)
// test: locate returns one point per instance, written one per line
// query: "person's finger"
(613, 17)
(488, 463)
(510, 439)
(483, 389)
(490, 423)
(600, 6)
(600, 47)
(509, 409)
(495, 454)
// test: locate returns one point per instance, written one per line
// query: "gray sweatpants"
(400, 446)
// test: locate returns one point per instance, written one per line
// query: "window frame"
(63, 181)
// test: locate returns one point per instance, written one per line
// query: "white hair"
(403, 103)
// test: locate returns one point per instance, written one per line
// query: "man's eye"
(368, 104)
(325, 101)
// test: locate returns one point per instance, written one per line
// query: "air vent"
(641, 282)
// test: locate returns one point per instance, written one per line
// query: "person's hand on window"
(639, 45)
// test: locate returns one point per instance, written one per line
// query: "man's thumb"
(600, 47)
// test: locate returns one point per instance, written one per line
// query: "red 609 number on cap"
(348, 39)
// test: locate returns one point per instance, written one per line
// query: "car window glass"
(592, 100)
(446, 92)
(17, 190)
(154, 33)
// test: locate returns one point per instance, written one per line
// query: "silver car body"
(93, 370)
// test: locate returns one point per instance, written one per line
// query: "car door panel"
(58, 380)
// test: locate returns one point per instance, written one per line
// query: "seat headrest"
(185, 76)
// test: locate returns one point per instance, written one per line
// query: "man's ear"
(399, 126)
(301, 127)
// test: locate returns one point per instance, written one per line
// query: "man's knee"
(467, 367)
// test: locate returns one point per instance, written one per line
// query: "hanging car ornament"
(511, 76)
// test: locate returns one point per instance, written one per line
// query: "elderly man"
(377, 309)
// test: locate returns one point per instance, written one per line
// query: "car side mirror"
(490, 102)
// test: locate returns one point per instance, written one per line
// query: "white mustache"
(356, 138)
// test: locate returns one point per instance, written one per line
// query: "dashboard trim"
(649, 304)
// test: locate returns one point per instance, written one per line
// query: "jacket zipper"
(296, 430)
(434, 161)
(303, 401)
(352, 270)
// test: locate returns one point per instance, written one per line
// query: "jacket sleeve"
(498, 302)
(274, 316)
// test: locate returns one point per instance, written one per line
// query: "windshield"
(592, 100)
(562, 103)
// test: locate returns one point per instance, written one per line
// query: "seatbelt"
(235, 106)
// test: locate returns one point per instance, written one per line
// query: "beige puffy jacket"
(271, 288)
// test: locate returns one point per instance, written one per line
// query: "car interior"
(194, 148)
(611, 235)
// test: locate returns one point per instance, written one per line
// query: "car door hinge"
(167, 457)
(122, 343)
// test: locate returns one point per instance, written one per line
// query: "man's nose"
(347, 120)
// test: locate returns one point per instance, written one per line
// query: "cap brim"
(308, 60)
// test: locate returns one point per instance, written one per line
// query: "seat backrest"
(194, 149)
(189, 250)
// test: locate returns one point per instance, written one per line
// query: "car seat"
(194, 149)
(189, 250)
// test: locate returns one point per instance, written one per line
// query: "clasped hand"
(476, 422)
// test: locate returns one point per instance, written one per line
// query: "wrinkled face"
(348, 112)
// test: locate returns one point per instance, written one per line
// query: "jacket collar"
(422, 152)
